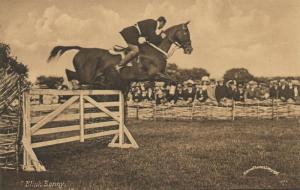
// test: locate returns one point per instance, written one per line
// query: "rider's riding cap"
(162, 19)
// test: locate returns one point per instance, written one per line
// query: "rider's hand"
(141, 40)
(163, 35)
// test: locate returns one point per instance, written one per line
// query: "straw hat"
(190, 81)
(205, 78)
(283, 81)
(252, 82)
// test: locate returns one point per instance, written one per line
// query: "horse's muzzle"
(188, 50)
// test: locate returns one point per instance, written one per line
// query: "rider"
(145, 30)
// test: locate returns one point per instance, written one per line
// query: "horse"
(96, 66)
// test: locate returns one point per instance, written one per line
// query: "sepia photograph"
(149, 94)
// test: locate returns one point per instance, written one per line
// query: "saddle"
(123, 51)
(119, 50)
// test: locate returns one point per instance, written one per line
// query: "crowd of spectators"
(211, 90)
(205, 90)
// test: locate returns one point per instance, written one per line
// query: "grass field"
(175, 155)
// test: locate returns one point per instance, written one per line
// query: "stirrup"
(118, 67)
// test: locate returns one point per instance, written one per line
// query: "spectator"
(211, 89)
(240, 93)
(201, 94)
(179, 92)
(189, 93)
(296, 91)
(220, 91)
(75, 84)
(283, 90)
(274, 90)
(172, 97)
(143, 92)
(263, 91)
(150, 94)
(160, 96)
(252, 91)
(230, 89)
(62, 99)
(137, 94)
(290, 91)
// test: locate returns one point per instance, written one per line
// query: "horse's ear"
(187, 22)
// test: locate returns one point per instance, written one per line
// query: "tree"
(7, 61)
(51, 82)
(262, 79)
(241, 75)
(198, 73)
(181, 75)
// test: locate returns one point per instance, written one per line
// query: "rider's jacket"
(145, 28)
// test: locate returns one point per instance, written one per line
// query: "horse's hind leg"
(86, 68)
(71, 75)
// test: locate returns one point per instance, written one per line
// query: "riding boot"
(126, 59)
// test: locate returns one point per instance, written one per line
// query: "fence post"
(137, 112)
(272, 108)
(257, 110)
(277, 104)
(81, 115)
(288, 110)
(121, 118)
(27, 165)
(233, 109)
(192, 111)
(19, 128)
(155, 108)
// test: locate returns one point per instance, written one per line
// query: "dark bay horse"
(90, 62)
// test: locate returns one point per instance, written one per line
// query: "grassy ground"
(175, 155)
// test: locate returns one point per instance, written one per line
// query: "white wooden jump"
(75, 108)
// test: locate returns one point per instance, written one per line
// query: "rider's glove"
(141, 40)
(163, 35)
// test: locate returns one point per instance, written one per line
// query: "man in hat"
(221, 91)
(201, 94)
(252, 91)
(189, 93)
(231, 89)
(274, 90)
(146, 30)
(290, 91)
(240, 93)
(283, 90)
(179, 92)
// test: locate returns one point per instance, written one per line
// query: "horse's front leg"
(164, 78)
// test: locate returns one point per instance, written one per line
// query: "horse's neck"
(165, 45)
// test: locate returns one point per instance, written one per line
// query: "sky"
(260, 35)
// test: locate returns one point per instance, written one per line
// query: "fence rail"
(81, 116)
(232, 110)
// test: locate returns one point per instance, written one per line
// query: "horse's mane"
(172, 28)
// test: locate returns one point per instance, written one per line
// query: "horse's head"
(180, 34)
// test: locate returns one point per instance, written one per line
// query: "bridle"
(180, 44)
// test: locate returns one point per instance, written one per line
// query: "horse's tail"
(59, 50)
